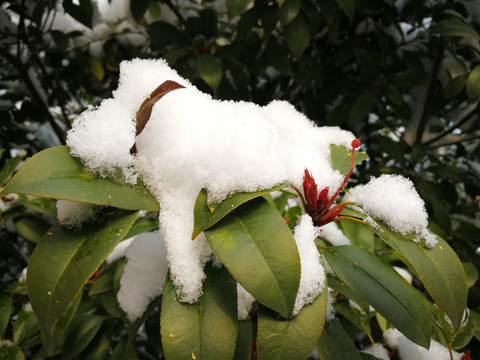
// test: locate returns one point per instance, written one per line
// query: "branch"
(426, 107)
(449, 129)
(179, 16)
(455, 142)
(23, 73)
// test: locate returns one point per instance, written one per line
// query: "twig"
(449, 129)
(455, 142)
(426, 106)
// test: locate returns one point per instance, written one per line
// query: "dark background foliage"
(404, 76)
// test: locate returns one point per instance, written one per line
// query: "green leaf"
(205, 215)
(342, 158)
(348, 7)
(54, 173)
(455, 27)
(31, 228)
(243, 348)
(297, 34)
(236, 7)
(471, 272)
(343, 289)
(9, 167)
(288, 11)
(138, 8)
(361, 321)
(144, 224)
(473, 83)
(97, 68)
(10, 351)
(25, 326)
(294, 338)
(464, 334)
(336, 344)
(361, 107)
(82, 13)
(65, 259)
(84, 328)
(257, 247)
(438, 268)
(5, 312)
(210, 70)
(206, 329)
(381, 286)
(455, 86)
(360, 235)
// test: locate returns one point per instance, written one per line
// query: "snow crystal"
(312, 272)
(378, 351)
(393, 199)
(192, 142)
(334, 235)
(71, 213)
(411, 351)
(244, 302)
(144, 274)
(330, 311)
(119, 251)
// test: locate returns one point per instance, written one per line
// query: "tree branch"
(455, 142)
(428, 100)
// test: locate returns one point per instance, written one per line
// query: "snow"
(244, 302)
(334, 235)
(393, 199)
(73, 214)
(377, 350)
(404, 273)
(119, 251)
(192, 142)
(144, 274)
(312, 280)
(411, 351)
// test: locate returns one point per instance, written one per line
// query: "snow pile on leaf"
(192, 142)
(409, 350)
(393, 199)
(73, 214)
(312, 279)
(144, 274)
(377, 350)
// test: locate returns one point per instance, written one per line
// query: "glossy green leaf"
(25, 326)
(243, 349)
(342, 158)
(5, 312)
(138, 8)
(293, 338)
(473, 83)
(41, 205)
(383, 288)
(471, 272)
(144, 224)
(31, 228)
(288, 11)
(361, 321)
(348, 7)
(205, 215)
(54, 173)
(9, 167)
(97, 68)
(297, 34)
(360, 235)
(210, 70)
(258, 248)
(338, 285)
(65, 259)
(362, 106)
(335, 343)
(438, 268)
(464, 334)
(455, 27)
(206, 329)
(10, 351)
(236, 7)
(84, 329)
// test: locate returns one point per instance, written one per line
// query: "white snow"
(393, 199)
(404, 273)
(73, 214)
(334, 235)
(411, 351)
(144, 274)
(244, 302)
(193, 142)
(312, 280)
(378, 351)
(119, 251)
